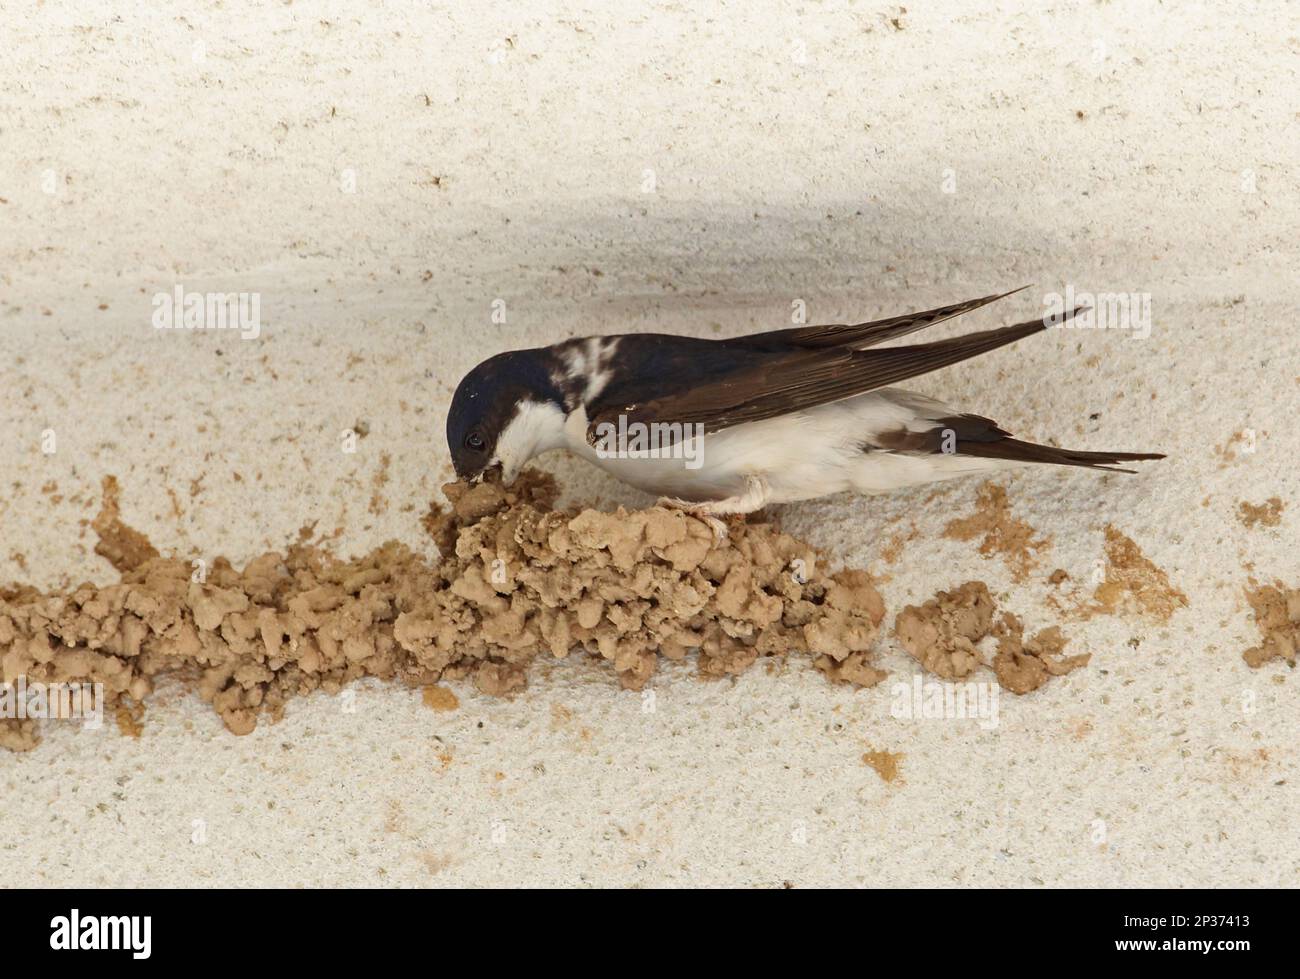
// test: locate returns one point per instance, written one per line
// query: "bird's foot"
(701, 511)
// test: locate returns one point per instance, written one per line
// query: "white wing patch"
(589, 361)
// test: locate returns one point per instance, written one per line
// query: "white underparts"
(802, 455)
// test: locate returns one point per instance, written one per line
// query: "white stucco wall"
(381, 174)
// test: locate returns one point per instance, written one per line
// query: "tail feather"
(982, 438)
(1015, 450)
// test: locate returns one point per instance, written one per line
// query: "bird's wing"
(768, 385)
(861, 335)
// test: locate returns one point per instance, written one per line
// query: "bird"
(720, 427)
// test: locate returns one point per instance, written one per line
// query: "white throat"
(537, 427)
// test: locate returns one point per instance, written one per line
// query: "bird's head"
(505, 411)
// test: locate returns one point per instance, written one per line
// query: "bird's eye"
(474, 441)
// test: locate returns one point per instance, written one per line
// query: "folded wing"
(769, 385)
(861, 335)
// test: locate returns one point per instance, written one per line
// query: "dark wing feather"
(781, 383)
(860, 335)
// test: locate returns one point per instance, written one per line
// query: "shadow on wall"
(842, 259)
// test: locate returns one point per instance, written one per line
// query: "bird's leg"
(754, 498)
(697, 510)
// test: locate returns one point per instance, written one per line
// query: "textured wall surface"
(385, 177)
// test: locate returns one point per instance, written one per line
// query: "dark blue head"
(505, 411)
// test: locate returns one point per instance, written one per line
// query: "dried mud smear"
(885, 763)
(1000, 533)
(121, 546)
(516, 579)
(1133, 583)
(440, 698)
(1125, 582)
(1277, 614)
(1266, 514)
(945, 633)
